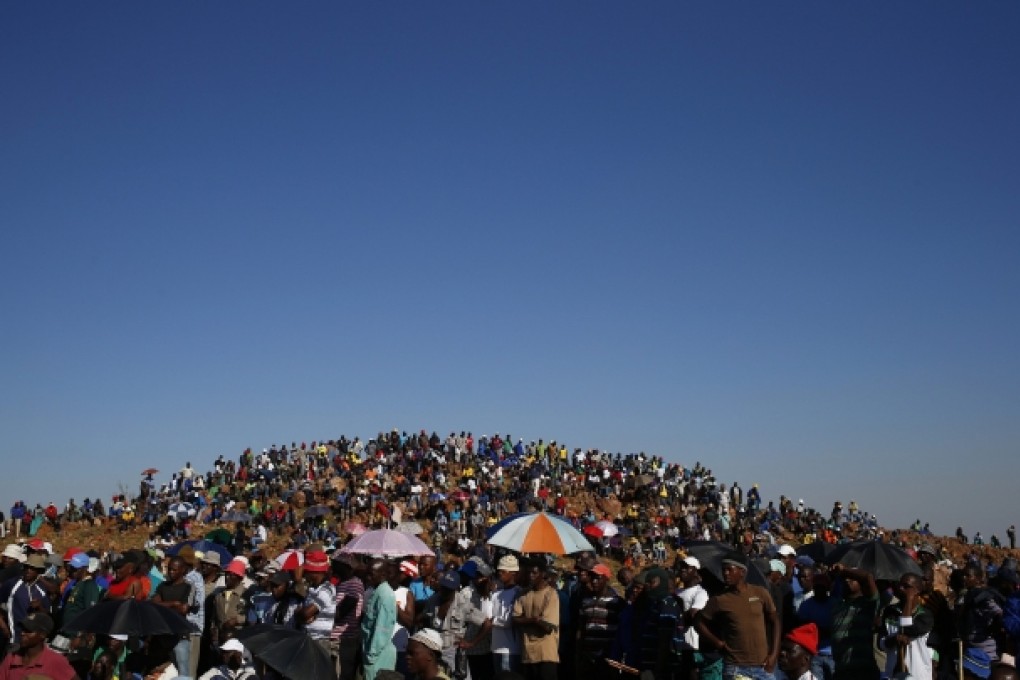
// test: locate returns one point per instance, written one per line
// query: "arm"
(772, 626)
(406, 614)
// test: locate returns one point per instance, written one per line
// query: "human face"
(536, 577)
(419, 657)
(426, 567)
(507, 578)
(793, 659)
(732, 575)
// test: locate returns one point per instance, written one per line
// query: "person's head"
(103, 666)
(279, 583)
(34, 630)
(377, 572)
(116, 643)
(424, 649)
(909, 586)
(232, 653)
(210, 565)
(316, 567)
(599, 578)
(788, 556)
(34, 566)
(507, 569)
(12, 554)
(777, 571)
(426, 567)
(234, 574)
(734, 572)
(537, 576)
(78, 566)
(176, 570)
(798, 648)
(973, 576)
(688, 571)
(625, 576)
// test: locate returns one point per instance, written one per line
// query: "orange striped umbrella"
(540, 533)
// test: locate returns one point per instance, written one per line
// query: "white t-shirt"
(694, 597)
(504, 639)
(400, 633)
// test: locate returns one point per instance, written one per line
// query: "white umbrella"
(608, 528)
(386, 542)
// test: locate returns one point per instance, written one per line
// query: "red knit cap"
(806, 636)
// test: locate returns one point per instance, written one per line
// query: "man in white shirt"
(506, 642)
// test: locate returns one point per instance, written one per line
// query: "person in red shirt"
(33, 658)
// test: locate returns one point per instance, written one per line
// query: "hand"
(770, 663)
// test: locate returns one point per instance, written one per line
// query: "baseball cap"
(787, 551)
(777, 565)
(79, 560)
(450, 580)
(602, 570)
(236, 567)
(232, 645)
(37, 622)
(692, 562)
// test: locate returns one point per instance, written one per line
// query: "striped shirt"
(323, 596)
(597, 623)
(349, 626)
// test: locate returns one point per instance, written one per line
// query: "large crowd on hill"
(469, 609)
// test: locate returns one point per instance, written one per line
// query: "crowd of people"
(469, 609)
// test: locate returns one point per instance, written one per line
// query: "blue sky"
(778, 238)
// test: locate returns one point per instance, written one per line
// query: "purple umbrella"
(386, 542)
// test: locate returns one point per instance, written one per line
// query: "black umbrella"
(289, 652)
(885, 561)
(318, 511)
(818, 551)
(711, 555)
(132, 617)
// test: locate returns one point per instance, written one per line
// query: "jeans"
(182, 657)
(734, 672)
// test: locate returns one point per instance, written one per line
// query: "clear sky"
(778, 238)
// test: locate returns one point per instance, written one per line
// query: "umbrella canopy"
(181, 510)
(386, 542)
(412, 528)
(608, 528)
(237, 516)
(289, 560)
(885, 561)
(149, 471)
(460, 495)
(712, 553)
(593, 530)
(220, 536)
(318, 511)
(132, 617)
(203, 546)
(289, 652)
(355, 528)
(540, 533)
(819, 551)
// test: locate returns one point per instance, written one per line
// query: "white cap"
(232, 645)
(787, 550)
(692, 562)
